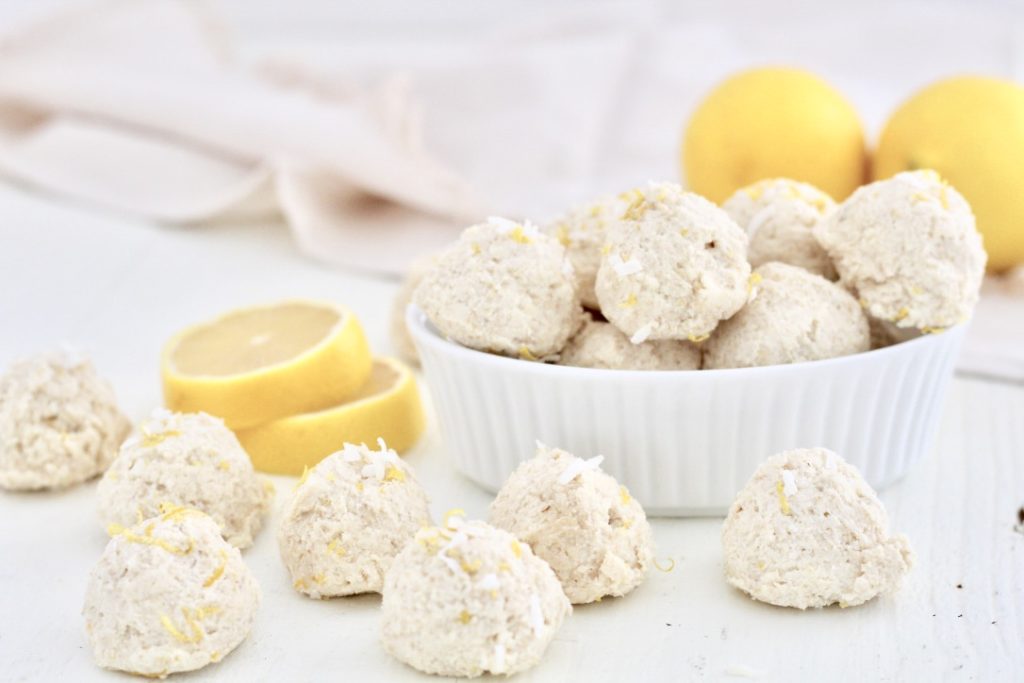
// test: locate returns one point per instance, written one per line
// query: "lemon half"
(259, 364)
(387, 407)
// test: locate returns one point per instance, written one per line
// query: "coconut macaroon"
(579, 520)
(188, 459)
(779, 216)
(400, 337)
(583, 232)
(792, 316)
(59, 422)
(675, 266)
(909, 249)
(600, 344)
(503, 287)
(808, 531)
(348, 519)
(467, 599)
(168, 595)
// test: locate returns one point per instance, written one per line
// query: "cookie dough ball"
(348, 519)
(780, 216)
(600, 344)
(583, 232)
(59, 423)
(504, 287)
(908, 248)
(580, 521)
(466, 599)
(676, 265)
(188, 459)
(808, 531)
(401, 340)
(168, 595)
(793, 316)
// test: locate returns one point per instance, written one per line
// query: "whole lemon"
(970, 130)
(770, 123)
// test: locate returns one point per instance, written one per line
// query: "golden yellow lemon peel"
(629, 302)
(465, 617)
(518, 235)
(526, 354)
(149, 539)
(517, 549)
(669, 566)
(393, 473)
(218, 572)
(624, 495)
(153, 439)
(335, 548)
(783, 501)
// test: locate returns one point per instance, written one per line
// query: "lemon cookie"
(188, 459)
(347, 520)
(908, 248)
(466, 599)
(583, 232)
(600, 344)
(792, 316)
(168, 595)
(59, 422)
(503, 287)
(579, 520)
(779, 216)
(808, 531)
(675, 266)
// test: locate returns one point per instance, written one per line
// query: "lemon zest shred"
(454, 512)
(517, 549)
(606, 249)
(753, 281)
(503, 566)
(465, 617)
(394, 474)
(470, 567)
(519, 236)
(901, 314)
(475, 248)
(224, 465)
(156, 438)
(630, 301)
(118, 530)
(698, 338)
(932, 330)
(624, 495)
(563, 235)
(335, 548)
(359, 486)
(218, 571)
(669, 565)
(526, 354)
(783, 501)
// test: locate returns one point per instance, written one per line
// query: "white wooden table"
(120, 288)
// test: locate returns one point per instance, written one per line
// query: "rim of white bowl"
(425, 332)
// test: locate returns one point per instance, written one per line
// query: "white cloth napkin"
(138, 106)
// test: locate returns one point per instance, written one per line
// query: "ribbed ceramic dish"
(685, 442)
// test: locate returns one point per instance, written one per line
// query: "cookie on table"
(347, 520)
(59, 422)
(779, 216)
(503, 287)
(465, 599)
(169, 594)
(792, 316)
(909, 250)
(675, 266)
(807, 531)
(187, 459)
(583, 232)
(600, 344)
(579, 520)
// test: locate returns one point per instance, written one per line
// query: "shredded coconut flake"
(489, 582)
(625, 268)
(503, 225)
(641, 335)
(536, 616)
(788, 483)
(578, 466)
(830, 461)
(499, 659)
(759, 219)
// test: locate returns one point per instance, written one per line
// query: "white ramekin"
(685, 442)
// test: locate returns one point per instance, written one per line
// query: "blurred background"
(379, 129)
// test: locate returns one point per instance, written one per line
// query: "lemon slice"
(387, 407)
(259, 364)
